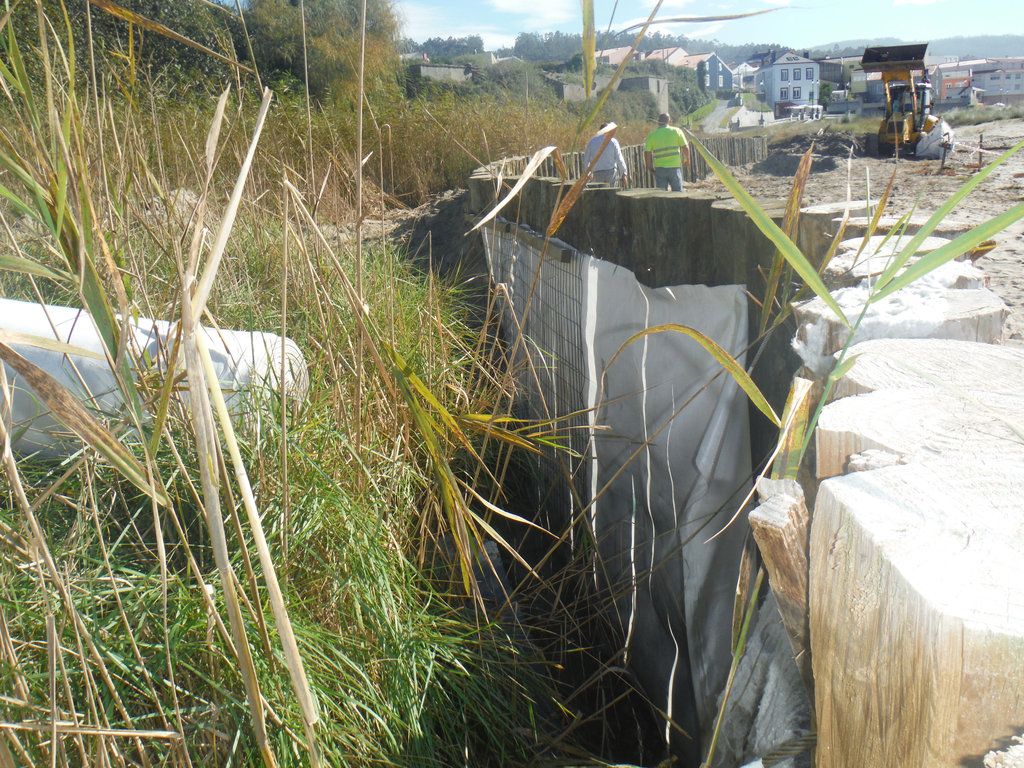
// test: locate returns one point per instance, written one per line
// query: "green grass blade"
(29, 267)
(16, 202)
(770, 229)
(22, 79)
(943, 211)
(951, 251)
(727, 361)
(589, 46)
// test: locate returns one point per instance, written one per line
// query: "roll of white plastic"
(64, 342)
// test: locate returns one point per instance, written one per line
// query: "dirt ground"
(919, 185)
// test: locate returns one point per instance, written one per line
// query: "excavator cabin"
(908, 95)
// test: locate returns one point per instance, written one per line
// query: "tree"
(332, 42)
(441, 48)
(685, 93)
(551, 46)
(825, 94)
(152, 53)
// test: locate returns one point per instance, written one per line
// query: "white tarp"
(65, 343)
(668, 461)
(931, 145)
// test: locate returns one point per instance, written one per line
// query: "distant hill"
(853, 47)
(987, 45)
(964, 47)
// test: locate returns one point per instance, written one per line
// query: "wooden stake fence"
(731, 150)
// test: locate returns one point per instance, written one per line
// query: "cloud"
(415, 18)
(493, 38)
(705, 31)
(421, 22)
(539, 17)
(780, 2)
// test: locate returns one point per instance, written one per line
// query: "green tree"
(332, 42)
(151, 53)
(550, 46)
(685, 93)
(825, 94)
(449, 48)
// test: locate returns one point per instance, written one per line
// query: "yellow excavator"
(908, 96)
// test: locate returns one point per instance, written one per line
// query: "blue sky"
(799, 23)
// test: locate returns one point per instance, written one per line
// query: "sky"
(796, 23)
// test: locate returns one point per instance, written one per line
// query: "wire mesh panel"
(542, 289)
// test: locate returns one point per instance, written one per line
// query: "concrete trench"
(669, 446)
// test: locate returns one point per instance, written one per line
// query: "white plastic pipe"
(65, 343)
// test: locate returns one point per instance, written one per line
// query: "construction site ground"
(436, 230)
(920, 185)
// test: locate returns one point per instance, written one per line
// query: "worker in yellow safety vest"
(665, 152)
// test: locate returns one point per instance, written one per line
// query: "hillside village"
(765, 86)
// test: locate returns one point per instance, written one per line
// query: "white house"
(674, 56)
(1002, 80)
(743, 75)
(616, 56)
(790, 80)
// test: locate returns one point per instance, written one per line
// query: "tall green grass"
(140, 622)
(978, 115)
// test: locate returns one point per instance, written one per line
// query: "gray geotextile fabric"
(665, 462)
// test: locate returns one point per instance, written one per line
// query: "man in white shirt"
(610, 167)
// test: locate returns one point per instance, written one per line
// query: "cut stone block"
(917, 613)
(781, 526)
(953, 366)
(918, 311)
(819, 225)
(849, 268)
(920, 425)
(857, 208)
(857, 226)
(883, 246)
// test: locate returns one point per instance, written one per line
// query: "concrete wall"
(567, 91)
(656, 86)
(442, 72)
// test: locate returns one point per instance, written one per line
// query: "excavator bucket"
(889, 57)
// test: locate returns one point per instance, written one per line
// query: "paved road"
(712, 123)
